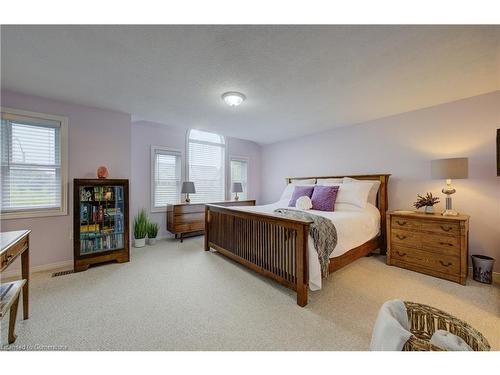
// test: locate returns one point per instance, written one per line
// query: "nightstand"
(429, 243)
(189, 218)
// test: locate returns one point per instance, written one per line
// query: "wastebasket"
(482, 267)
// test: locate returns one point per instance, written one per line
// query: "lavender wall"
(145, 134)
(403, 145)
(96, 137)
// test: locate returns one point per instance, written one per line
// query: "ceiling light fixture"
(233, 98)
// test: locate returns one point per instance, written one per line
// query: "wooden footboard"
(271, 245)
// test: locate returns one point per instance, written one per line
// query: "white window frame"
(63, 209)
(154, 209)
(230, 177)
(223, 145)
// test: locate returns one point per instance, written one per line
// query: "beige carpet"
(176, 296)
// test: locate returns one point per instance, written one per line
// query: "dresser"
(189, 218)
(429, 243)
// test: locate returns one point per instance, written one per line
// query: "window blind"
(167, 177)
(206, 166)
(30, 163)
(239, 171)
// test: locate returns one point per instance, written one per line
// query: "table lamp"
(447, 169)
(237, 188)
(188, 188)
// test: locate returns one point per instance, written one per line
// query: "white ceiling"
(298, 79)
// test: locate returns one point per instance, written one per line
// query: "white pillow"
(372, 195)
(353, 193)
(448, 341)
(329, 181)
(288, 192)
(303, 203)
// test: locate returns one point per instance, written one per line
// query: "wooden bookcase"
(101, 222)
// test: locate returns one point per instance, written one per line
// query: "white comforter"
(354, 227)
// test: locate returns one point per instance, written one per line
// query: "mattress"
(354, 225)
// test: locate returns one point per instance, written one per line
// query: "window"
(166, 177)
(33, 164)
(239, 173)
(206, 157)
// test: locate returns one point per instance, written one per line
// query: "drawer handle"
(400, 254)
(445, 265)
(446, 229)
(400, 236)
(446, 243)
(401, 222)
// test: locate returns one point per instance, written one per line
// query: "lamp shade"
(450, 168)
(188, 187)
(237, 187)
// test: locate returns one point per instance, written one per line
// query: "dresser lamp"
(454, 168)
(188, 188)
(237, 188)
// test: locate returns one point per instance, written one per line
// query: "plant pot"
(139, 242)
(429, 209)
(152, 241)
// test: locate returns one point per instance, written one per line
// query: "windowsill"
(32, 214)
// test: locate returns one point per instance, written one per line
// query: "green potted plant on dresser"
(140, 228)
(152, 233)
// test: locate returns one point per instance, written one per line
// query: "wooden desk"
(16, 244)
(189, 218)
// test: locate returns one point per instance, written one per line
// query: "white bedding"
(354, 227)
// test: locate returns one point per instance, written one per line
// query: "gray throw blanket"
(321, 230)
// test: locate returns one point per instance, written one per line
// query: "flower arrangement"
(427, 201)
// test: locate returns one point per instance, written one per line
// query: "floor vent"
(62, 273)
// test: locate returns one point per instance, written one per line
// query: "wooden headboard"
(382, 200)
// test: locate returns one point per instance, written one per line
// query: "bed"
(280, 247)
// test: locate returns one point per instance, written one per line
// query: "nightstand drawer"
(189, 208)
(404, 223)
(406, 238)
(441, 228)
(441, 244)
(438, 262)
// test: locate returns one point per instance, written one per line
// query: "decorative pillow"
(448, 341)
(298, 192)
(354, 193)
(287, 193)
(372, 195)
(323, 197)
(303, 203)
(329, 181)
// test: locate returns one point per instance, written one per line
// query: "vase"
(139, 242)
(429, 209)
(152, 241)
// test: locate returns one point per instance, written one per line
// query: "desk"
(15, 244)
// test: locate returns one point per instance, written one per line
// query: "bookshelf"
(101, 222)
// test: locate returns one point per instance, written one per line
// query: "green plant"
(140, 225)
(152, 230)
(428, 200)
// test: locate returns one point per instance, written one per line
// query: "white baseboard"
(495, 276)
(16, 273)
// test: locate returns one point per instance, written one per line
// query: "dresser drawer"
(406, 238)
(439, 262)
(189, 208)
(451, 228)
(11, 253)
(195, 217)
(441, 244)
(405, 223)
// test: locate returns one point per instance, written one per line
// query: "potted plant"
(140, 228)
(152, 233)
(428, 202)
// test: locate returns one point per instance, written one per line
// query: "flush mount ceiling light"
(233, 98)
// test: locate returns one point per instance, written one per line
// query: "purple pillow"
(298, 192)
(324, 197)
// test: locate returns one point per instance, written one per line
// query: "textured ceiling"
(298, 79)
